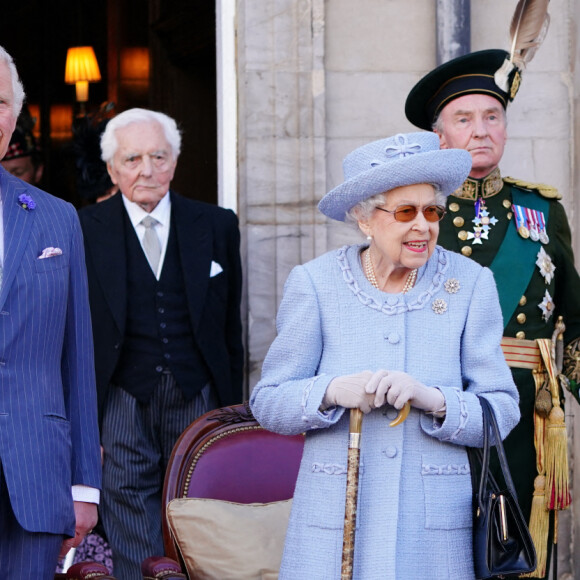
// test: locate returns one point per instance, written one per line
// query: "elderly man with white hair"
(164, 285)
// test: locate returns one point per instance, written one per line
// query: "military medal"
(521, 221)
(530, 223)
(542, 227)
(546, 266)
(482, 222)
(533, 225)
(477, 235)
(547, 306)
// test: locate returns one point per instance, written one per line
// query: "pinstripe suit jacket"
(48, 411)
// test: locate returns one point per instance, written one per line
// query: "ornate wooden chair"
(226, 455)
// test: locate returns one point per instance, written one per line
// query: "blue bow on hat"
(404, 159)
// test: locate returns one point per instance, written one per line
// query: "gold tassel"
(556, 448)
(539, 527)
(539, 516)
(557, 489)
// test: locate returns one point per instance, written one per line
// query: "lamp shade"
(81, 65)
(81, 68)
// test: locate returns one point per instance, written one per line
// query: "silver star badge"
(546, 266)
(547, 306)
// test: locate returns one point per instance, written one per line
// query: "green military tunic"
(553, 289)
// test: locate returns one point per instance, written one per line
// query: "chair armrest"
(161, 568)
(84, 571)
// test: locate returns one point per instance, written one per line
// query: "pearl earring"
(369, 238)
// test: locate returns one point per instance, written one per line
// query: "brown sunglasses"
(407, 213)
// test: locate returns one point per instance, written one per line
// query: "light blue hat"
(404, 159)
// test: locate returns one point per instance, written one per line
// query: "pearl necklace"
(370, 274)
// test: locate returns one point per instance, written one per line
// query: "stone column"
(453, 29)
(281, 153)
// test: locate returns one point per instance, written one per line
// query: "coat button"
(392, 337)
(466, 250)
(391, 451)
(458, 221)
(392, 300)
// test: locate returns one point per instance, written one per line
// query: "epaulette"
(544, 190)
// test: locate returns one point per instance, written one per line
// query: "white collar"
(161, 212)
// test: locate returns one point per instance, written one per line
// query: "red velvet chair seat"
(227, 455)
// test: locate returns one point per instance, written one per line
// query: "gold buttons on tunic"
(521, 318)
(523, 301)
(506, 203)
(510, 215)
(458, 221)
(466, 250)
(462, 235)
(453, 206)
(521, 334)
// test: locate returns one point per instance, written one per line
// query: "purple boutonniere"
(26, 202)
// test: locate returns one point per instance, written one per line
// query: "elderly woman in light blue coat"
(374, 326)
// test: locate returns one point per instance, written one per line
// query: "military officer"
(518, 229)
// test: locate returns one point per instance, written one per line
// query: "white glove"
(397, 387)
(349, 391)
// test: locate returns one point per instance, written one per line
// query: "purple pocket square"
(50, 252)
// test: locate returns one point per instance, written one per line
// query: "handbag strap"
(490, 424)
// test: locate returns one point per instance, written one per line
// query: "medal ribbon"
(515, 260)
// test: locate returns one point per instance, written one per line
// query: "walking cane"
(354, 436)
(355, 427)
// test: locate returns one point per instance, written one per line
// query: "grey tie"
(151, 243)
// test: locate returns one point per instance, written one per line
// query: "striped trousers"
(137, 441)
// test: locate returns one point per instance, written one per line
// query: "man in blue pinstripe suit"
(49, 445)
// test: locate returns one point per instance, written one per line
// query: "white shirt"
(162, 213)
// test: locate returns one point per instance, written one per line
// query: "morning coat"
(415, 498)
(205, 234)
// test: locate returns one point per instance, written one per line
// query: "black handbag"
(502, 545)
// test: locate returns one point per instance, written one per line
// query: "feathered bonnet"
(492, 72)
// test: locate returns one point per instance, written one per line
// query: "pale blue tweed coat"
(414, 514)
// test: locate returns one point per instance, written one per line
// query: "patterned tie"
(151, 243)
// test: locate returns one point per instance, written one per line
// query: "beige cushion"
(222, 540)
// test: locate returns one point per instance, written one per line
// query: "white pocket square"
(50, 252)
(215, 269)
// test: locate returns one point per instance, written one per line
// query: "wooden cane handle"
(403, 413)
